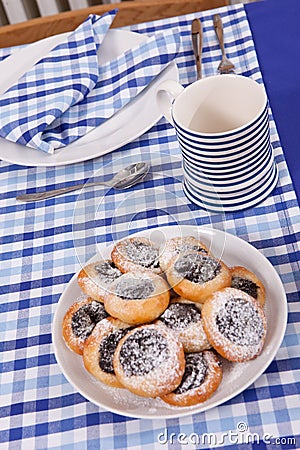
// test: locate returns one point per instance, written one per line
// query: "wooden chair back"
(130, 12)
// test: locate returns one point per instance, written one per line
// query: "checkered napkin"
(59, 80)
(66, 94)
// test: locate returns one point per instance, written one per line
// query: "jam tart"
(149, 362)
(137, 253)
(183, 317)
(176, 245)
(95, 279)
(202, 377)
(138, 298)
(99, 349)
(247, 281)
(196, 275)
(235, 324)
(79, 322)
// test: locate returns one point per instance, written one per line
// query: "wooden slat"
(3, 16)
(130, 12)
(20, 10)
(50, 7)
(78, 4)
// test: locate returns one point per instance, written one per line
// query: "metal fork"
(225, 66)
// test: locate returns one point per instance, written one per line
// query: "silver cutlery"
(124, 179)
(225, 66)
(197, 45)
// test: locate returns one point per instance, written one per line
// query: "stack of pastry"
(158, 321)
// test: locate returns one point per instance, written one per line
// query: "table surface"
(276, 37)
(43, 244)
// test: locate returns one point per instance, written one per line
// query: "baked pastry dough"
(177, 245)
(196, 275)
(202, 376)
(235, 324)
(96, 278)
(138, 298)
(99, 349)
(136, 253)
(149, 362)
(184, 319)
(80, 320)
(247, 281)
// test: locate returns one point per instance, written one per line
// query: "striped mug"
(222, 126)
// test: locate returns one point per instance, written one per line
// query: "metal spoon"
(124, 179)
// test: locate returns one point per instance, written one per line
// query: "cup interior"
(219, 104)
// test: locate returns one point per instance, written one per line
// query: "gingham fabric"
(67, 94)
(43, 244)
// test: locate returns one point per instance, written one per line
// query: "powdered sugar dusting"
(123, 398)
(188, 247)
(141, 253)
(131, 287)
(197, 267)
(179, 316)
(96, 279)
(143, 351)
(153, 362)
(107, 271)
(237, 323)
(178, 245)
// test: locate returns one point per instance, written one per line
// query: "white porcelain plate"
(125, 126)
(236, 376)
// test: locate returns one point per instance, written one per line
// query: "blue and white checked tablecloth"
(43, 243)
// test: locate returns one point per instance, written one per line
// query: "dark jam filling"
(240, 322)
(142, 352)
(245, 285)
(180, 315)
(86, 317)
(142, 254)
(107, 349)
(107, 271)
(195, 373)
(197, 267)
(131, 288)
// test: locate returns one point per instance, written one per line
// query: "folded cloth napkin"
(57, 82)
(66, 94)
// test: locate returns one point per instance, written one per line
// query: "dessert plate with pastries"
(169, 322)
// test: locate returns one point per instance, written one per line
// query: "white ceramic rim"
(227, 142)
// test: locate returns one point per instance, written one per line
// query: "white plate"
(236, 376)
(125, 126)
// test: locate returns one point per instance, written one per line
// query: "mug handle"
(167, 92)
